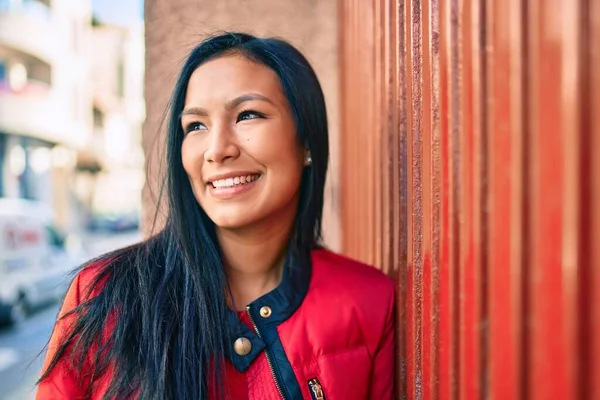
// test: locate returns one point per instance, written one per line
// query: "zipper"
(266, 354)
(316, 390)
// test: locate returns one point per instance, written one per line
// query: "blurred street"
(21, 344)
(71, 178)
(19, 347)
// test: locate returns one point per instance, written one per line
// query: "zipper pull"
(316, 390)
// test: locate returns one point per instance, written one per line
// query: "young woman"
(234, 298)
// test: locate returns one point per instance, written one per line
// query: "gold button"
(265, 312)
(242, 346)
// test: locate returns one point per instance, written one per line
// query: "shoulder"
(351, 278)
(348, 305)
(346, 287)
(86, 284)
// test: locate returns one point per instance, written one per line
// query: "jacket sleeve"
(62, 382)
(383, 374)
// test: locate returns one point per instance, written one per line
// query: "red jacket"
(326, 332)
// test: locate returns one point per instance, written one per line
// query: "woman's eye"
(195, 126)
(248, 115)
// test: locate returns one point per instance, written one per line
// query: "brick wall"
(174, 27)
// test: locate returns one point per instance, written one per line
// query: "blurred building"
(71, 110)
(118, 114)
(45, 98)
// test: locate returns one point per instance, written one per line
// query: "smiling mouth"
(235, 181)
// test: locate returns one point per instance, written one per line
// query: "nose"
(221, 145)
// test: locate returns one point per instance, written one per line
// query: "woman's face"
(240, 149)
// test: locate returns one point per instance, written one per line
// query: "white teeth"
(238, 180)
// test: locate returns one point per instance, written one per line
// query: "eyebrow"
(230, 105)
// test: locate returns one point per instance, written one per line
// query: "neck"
(254, 258)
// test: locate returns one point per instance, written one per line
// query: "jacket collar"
(283, 301)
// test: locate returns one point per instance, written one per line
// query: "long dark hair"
(169, 292)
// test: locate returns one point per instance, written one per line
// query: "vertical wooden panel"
(428, 189)
(414, 201)
(551, 285)
(481, 186)
(591, 196)
(453, 137)
(589, 212)
(507, 229)
(572, 137)
(446, 308)
(436, 194)
(386, 88)
(473, 156)
(402, 191)
(370, 124)
(379, 110)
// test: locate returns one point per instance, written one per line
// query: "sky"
(119, 12)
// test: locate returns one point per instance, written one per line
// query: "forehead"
(230, 76)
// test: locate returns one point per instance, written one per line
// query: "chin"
(231, 220)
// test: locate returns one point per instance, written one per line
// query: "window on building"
(121, 79)
(98, 118)
(39, 71)
(3, 82)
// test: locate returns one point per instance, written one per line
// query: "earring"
(308, 160)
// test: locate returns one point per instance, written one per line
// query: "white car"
(34, 264)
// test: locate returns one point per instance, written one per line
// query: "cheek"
(275, 147)
(191, 160)
(286, 168)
